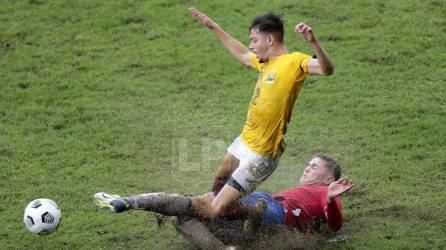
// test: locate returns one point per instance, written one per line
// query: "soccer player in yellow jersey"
(254, 155)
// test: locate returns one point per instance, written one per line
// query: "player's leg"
(225, 200)
(226, 204)
(224, 171)
(236, 151)
(205, 206)
(248, 175)
(211, 207)
(197, 232)
(178, 203)
(166, 204)
(244, 179)
(175, 204)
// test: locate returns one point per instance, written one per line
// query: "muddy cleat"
(252, 225)
(114, 202)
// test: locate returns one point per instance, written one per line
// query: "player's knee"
(216, 211)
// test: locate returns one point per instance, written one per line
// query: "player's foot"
(114, 202)
(251, 225)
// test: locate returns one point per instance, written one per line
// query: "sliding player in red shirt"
(314, 202)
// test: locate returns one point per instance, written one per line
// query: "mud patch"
(392, 211)
(24, 85)
(356, 192)
(134, 65)
(126, 239)
(36, 2)
(438, 4)
(5, 153)
(332, 38)
(380, 60)
(131, 20)
(271, 237)
(6, 47)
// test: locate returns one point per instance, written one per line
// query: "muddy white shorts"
(253, 168)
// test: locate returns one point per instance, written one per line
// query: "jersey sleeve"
(301, 61)
(255, 62)
(333, 213)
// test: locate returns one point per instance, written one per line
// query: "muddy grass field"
(134, 96)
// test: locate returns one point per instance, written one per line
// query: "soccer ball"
(42, 216)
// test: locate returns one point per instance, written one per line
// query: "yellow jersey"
(278, 85)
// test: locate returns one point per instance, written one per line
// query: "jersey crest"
(296, 212)
(270, 78)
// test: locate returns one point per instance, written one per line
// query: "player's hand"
(203, 18)
(305, 31)
(339, 187)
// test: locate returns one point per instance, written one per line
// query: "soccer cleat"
(251, 225)
(114, 202)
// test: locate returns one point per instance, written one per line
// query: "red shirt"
(306, 207)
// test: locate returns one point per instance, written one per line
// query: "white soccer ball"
(42, 216)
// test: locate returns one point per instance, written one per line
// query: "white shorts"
(253, 168)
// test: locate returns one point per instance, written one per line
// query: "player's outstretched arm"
(333, 214)
(235, 47)
(323, 64)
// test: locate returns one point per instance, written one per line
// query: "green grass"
(100, 95)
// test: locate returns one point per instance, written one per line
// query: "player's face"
(316, 173)
(260, 44)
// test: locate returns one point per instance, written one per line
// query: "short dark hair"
(270, 23)
(332, 165)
